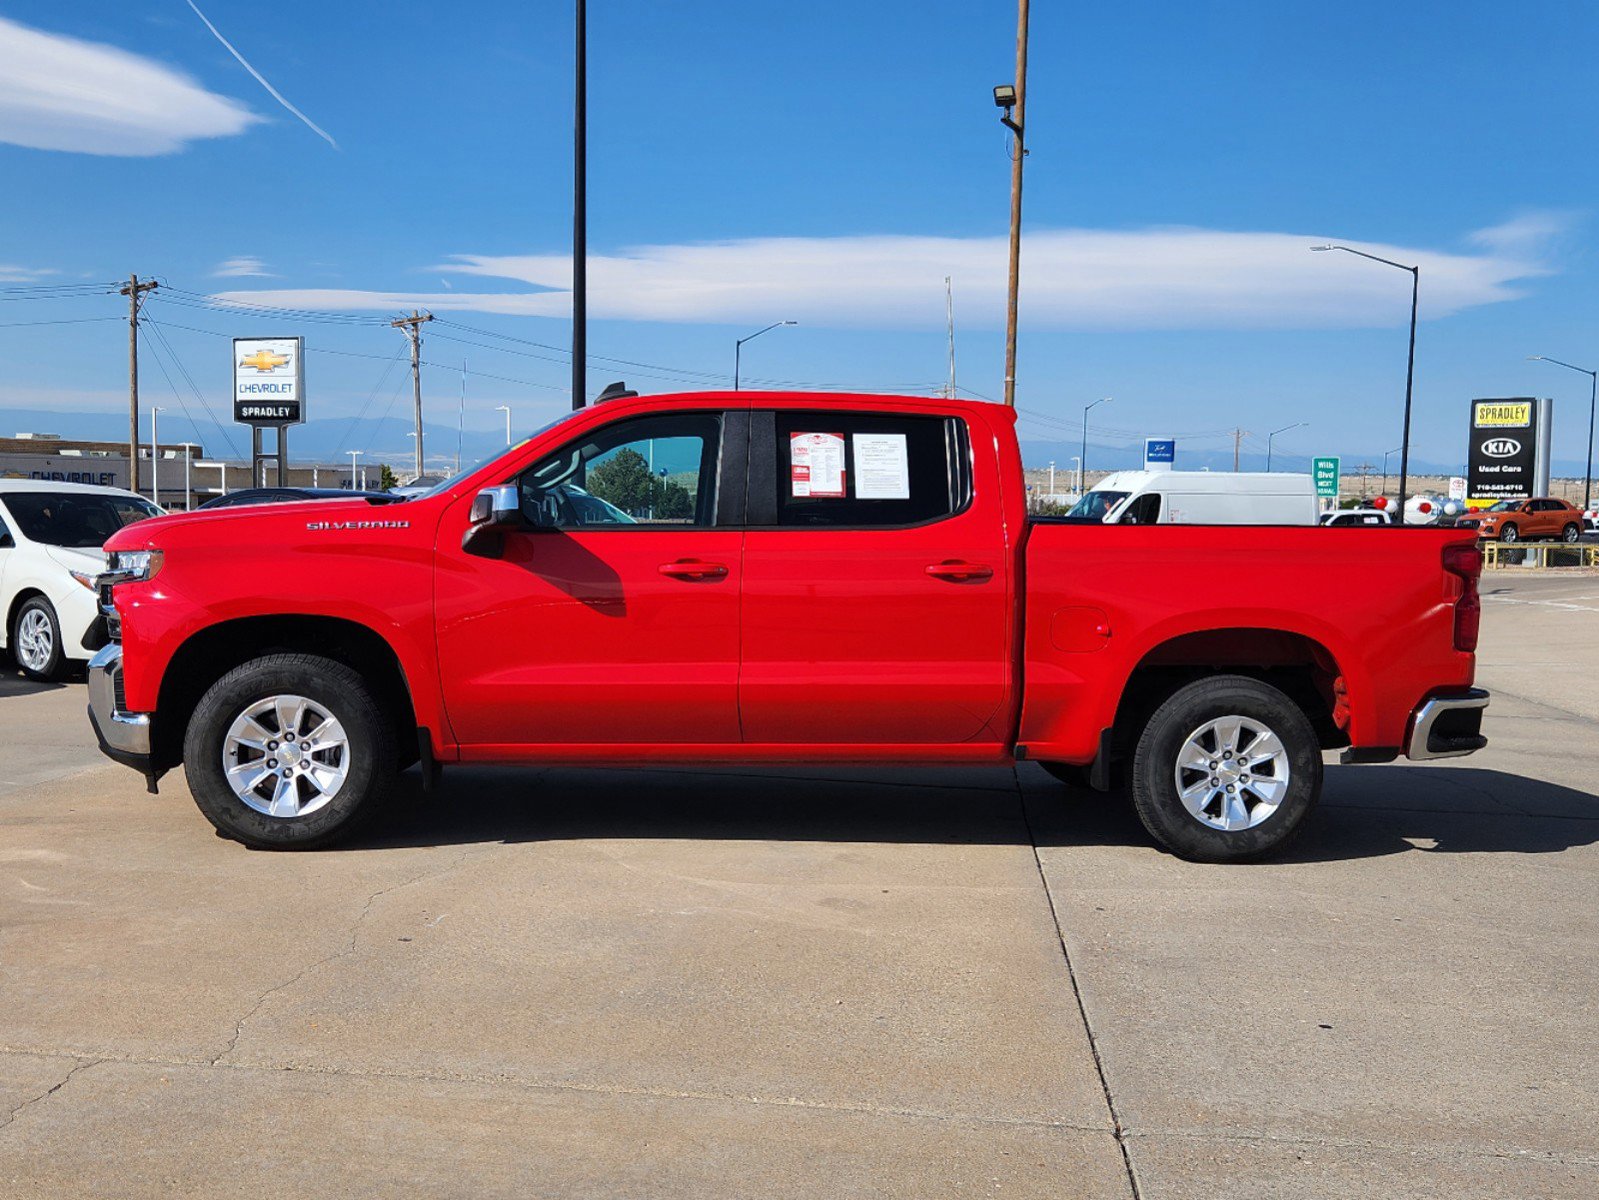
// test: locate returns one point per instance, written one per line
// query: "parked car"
(1590, 519)
(1199, 498)
(1357, 516)
(842, 578)
(50, 551)
(1526, 520)
(288, 495)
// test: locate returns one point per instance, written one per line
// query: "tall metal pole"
(949, 317)
(353, 454)
(580, 210)
(1410, 377)
(1016, 204)
(155, 458)
(1083, 469)
(1593, 396)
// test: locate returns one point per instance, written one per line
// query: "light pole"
(1079, 469)
(188, 466)
(1410, 367)
(738, 346)
(1082, 470)
(506, 409)
(1284, 429)
(1052, 477)
(1593, 395)
(1385, 455)
(580, 235)
(1012, 97)
(155, 456)
(353, 455)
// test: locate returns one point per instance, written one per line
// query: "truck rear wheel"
(1227, 769)
(288, 752)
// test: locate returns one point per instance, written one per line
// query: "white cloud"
(62, 93)
(1177, 278)
(241, 266)
(11, 273)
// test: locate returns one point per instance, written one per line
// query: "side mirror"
(498, 508)
(494, 510)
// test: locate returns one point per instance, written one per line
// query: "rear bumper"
(1448, 726)
(124, 736)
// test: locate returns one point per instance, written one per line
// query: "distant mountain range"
(329, 441)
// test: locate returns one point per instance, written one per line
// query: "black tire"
(330, 686)
(54, 664)
(1570, 535)
(1155, 788)
(1509, 533)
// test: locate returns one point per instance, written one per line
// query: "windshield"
(488, 458)
(1506, 506)
(77, 521)
(1094, 505)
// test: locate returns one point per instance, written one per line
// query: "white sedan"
(50, 551)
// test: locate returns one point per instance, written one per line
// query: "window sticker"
(816, 464)
(882, 467)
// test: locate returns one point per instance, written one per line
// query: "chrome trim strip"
(1427, 716)
(127, 732)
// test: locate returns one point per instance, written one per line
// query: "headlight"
(135, 566)
(86, 579)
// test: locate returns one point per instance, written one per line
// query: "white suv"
(50, 539)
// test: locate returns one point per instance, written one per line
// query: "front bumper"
(124, 736)
(1448, 726)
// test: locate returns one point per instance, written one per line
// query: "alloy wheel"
(286, 756)
(1232, 773)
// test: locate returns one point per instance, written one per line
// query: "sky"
(828, 164)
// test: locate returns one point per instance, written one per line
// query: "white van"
(1200, 498)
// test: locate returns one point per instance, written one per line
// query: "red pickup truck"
(774, 578)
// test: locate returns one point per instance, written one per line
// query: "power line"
(69, 321)
(205, 404)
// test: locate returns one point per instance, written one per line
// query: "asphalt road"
(746, 983)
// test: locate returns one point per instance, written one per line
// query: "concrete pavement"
(838, 983)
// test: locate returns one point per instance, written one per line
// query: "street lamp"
(738, 346)
(1593, 394)
(1012, 98)
(1079, 470)
(506, 409)
(1284, 429)
(1385, 455)
(155, 456)
(1082, 469)
(1410, 368)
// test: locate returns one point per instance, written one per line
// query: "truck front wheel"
(288, 752)
(1227, 769)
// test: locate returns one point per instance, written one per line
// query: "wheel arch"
(210, 653)
(14, 609)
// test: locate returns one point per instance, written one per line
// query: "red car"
(1526, 520)
(775, 578)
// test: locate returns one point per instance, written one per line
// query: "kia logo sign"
(1501, 447)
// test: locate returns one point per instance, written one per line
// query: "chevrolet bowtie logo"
(264, 360)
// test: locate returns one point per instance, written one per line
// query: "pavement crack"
(347, 949)
(77, 1065)
(1077, 993)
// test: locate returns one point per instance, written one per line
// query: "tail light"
(1464, 560)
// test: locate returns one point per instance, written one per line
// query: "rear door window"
(836, 469)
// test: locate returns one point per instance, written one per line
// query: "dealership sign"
(1504, 435)
(269, 381)
(1159, 454)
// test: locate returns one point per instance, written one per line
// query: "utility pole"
(949, 316)
(1019, 124)
(133, 292)
(411, 326)
(1365, 470)
(1238, 440)
(580, 285)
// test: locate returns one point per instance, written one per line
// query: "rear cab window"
(842, 469)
